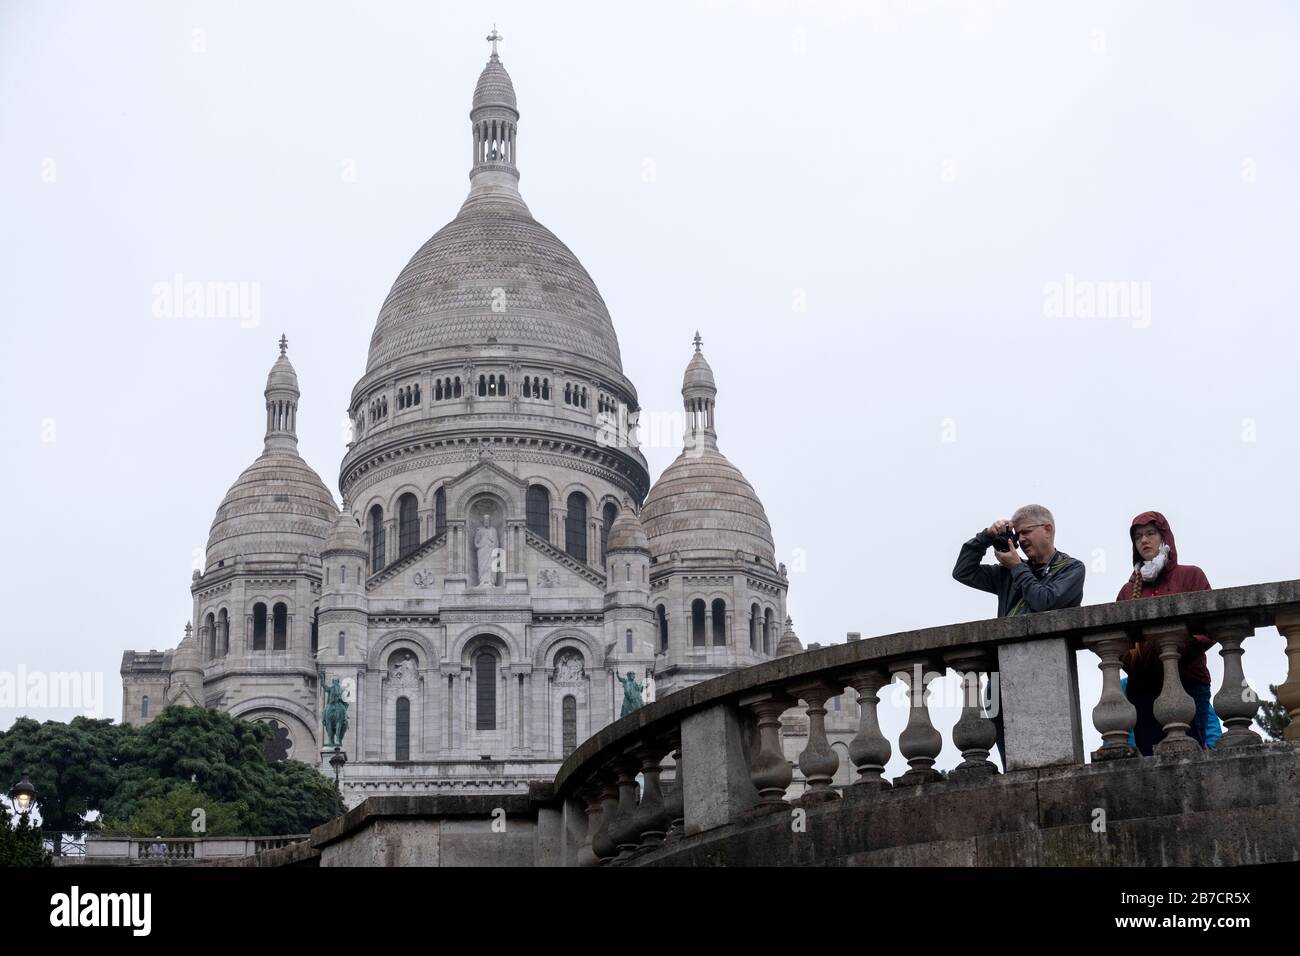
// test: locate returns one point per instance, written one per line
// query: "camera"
(1006, 541)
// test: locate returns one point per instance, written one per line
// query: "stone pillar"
(1039, 697)
(973, 734)
(919, 742)
(1114, 716)
(770, 773)
(1236, 702)
(1288, 692)
(818, 761)
(1174, 709)
(623, 828)
(717, 788)
(869, 750)
(590, 797)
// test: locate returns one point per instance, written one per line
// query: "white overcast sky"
(913, 175)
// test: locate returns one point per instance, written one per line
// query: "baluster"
(1288, 693)
(623, 830)
(1236, 702)
(1114, 716)
(769, 771)
(675, 799)
(973, 734)
(869, 750)
(652, 819)
(602, 844)
(818, 761)
(1174, 709)
(590, 797)
(919, 742)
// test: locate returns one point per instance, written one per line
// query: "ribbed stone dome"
(699, 375)
(345, 534)
(276, 510)
(444, 298)
(494, 87)
(702, 506)
(626, 533)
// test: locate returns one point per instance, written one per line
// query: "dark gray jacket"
(1023, 588)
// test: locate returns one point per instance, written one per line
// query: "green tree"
(1273, 716)
(173, 815)
(223, 757)
(20, 844)
(74, 766)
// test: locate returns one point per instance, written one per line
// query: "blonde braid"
(1137, 584)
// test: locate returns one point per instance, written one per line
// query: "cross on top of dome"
(697, 340)
(495, 38)
(284, 344)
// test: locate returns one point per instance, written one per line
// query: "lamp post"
(337, 761)
(24, 795)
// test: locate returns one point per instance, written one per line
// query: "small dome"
(282, 375)
(702, 506)
(186, 659)
(698, 374)
(345, 534)
(626, 533)
(789, 643)
(494, 87)
(276, 510)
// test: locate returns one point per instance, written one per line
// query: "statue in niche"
(631, 693)
(568, 666)
(402, 670)
(487, 551)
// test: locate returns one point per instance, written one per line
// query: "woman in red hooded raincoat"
(1156, 571)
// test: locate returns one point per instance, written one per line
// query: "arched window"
(568, 394)
(259, 626)
(402, 734)
(456, 387)
(485, 685)
(210, 636)
(663, 630)
(144, 706)
(440, 511)
(628, 637)
(698, 637)
(584, 398)
(719, 622)
(754, 615)
(539, 511)
(569, 721)
(376, 538)
(415, 399)
(528, 387)
(575, 527)
(482, 385)
(437, 390)
(315, 630)
(608, 515)
(280, 629)
(501, 385)
(343, 643)
(546, 388)
(223, 633)
(408, 524)
(768, 625)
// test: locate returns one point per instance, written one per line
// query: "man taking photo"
(1045, 580)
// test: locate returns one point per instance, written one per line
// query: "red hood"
(1157, 519)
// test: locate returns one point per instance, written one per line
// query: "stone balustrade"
(710, 755)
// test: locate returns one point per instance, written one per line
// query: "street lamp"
(24, 795)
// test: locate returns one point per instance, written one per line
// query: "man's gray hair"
(1032, 514)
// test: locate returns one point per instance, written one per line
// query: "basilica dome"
(278, 508)
(702, 506)
(494, 276)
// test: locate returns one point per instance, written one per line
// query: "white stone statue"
(486, 546)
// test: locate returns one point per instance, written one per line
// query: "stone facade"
(492, 573)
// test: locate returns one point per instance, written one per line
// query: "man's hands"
(1000, 529)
